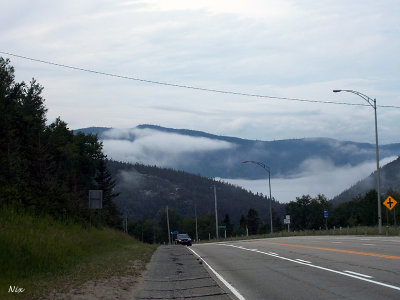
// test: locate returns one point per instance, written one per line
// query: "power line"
(191, 87)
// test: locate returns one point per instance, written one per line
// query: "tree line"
(307, 213)
(156, 230)
(47, 169)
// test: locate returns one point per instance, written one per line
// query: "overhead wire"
(188, 86)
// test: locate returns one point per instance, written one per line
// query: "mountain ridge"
(286, 158)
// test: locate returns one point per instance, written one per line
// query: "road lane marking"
(304, 261)
(359, 274)
(227, 284)
(323, 268)
(336, 250)
(368, 244)
(337, 242)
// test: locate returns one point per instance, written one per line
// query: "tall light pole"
(195, 216)
(269, 183)
(372, 103)
(169, 232)
(216, 213)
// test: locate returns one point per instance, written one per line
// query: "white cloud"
(155, 147)
(319, 177)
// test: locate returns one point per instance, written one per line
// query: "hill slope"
(390, 179)
(146, 190)
(220, 156)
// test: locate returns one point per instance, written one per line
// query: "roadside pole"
(287, 221)
(326, 219)
(195, 214)
(216, 212)
(169, 232)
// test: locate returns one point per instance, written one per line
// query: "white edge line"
(358, 274)
(227, 284)
(304, 261)
(325, 269)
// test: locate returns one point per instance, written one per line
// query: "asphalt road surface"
(174, 273)
(317, 267)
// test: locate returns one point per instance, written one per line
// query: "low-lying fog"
(319, 177)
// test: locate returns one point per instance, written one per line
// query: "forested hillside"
(390, 180)
(145, 191)
(47, 169)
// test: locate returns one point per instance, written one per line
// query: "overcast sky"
(296, 49)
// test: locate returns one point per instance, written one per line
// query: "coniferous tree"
(253, 221)
(47, 168)
(106, 183)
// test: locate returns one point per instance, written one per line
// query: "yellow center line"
(335, 250)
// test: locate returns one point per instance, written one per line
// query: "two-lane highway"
(352, 267)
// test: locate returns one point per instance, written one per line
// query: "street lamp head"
(337, 91)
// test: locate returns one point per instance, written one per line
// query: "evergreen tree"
(106, 183)
(253, 221)
(227, 223)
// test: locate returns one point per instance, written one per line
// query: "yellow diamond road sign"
(390, 202)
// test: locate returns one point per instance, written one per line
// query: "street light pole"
(195, 215)
(372, 103)
(265, 167)
(169, 232)
(216, 212)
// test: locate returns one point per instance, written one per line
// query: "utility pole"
(216, 212)
(195, 215)
(169, 232)
(126, 222)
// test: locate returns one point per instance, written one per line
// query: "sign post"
(222, 227)
(95, 202)
(326, 219)
(390, 203)
(287, 221)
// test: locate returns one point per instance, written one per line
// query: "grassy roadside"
(41, 255)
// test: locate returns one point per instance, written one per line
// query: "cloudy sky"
(286, 48)
(295, 49)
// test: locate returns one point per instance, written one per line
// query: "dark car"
(183, 239)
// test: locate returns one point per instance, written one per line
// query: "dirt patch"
(117, 287)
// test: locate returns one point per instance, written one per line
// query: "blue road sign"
(325, 213)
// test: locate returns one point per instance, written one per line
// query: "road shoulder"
(175, 273)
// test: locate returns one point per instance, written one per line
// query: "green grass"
(40, 254)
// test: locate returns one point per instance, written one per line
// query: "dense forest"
(47, 169)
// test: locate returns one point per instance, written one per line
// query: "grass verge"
(42, 255)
